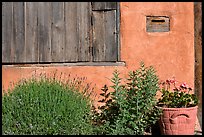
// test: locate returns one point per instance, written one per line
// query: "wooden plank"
(110, 36)
(157, 24)
(58, 32)
(69, 64)
(18, 32)
(98, 36)
(118, 32)
(104, 5)
(6, 31)
(83, 27)
(198, 56)
(104, 36)
(71, 34)
(44, 31)
(31, 42)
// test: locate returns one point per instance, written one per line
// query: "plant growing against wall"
(130, 107)
(47, 107)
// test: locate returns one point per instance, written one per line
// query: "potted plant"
(179, 108)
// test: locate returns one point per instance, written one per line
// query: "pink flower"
(168, 81)
(171, 81)
(179, 91)
(184, 85)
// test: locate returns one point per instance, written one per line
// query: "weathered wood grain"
(83, 27)
(104, 36)
(7, 29)
(104, 5)
(157, 24)
(110, 36)
(31, 30)
(62, 64)
(118, 32)
(18, 32)
(41, 32)
(58, 32)
(198, 56)
(98, 32)
(44, 31)
(71, 41)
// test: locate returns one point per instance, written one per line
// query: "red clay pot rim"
(176, 109)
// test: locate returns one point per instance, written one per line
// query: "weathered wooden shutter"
(40, 32)
(104, 31)
(43, 32)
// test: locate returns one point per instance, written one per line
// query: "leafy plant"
(178, 97)
(47, 107)
(130, 108)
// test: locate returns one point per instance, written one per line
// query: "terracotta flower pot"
(178, 121)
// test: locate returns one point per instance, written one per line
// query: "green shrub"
(130, 108)
(47, 106)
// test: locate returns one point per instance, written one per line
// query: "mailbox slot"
(157, 24)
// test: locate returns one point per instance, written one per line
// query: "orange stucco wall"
(171, 53)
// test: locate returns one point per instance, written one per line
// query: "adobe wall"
(171, 53)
